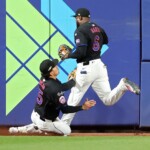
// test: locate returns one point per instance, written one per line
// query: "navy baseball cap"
(83, 12)
(47, 65)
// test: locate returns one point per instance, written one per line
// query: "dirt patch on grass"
(4, 132)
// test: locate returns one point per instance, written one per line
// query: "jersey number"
(96, 45)
(40, 97)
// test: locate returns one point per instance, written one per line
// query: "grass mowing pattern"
(74, 143)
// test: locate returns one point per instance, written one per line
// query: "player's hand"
(88, 104)
(72, 75)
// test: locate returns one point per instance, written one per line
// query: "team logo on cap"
(49, 68)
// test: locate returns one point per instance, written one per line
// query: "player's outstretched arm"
(71, 109)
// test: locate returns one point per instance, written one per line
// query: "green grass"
(74, 143)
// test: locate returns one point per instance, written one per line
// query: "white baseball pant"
(39, 125)
(94, 74)
(56, 126)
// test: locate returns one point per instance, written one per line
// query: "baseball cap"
(47, 65)
(83, 12)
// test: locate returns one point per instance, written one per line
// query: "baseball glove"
(64, 51)
(72, 75)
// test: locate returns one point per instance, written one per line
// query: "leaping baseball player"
(91, 71)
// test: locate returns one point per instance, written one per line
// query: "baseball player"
(50, 101)
(91, 71)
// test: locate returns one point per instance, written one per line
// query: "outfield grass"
(75, 143)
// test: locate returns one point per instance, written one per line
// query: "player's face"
(78, 21)
(56, 70)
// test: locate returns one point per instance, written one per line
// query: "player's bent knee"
(108, 103)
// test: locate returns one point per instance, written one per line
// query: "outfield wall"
(145, 65)
(32, 30)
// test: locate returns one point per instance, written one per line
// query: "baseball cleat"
(131, 86)
(13, 130)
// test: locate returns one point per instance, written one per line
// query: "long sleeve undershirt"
(79, 53)
(70, 109)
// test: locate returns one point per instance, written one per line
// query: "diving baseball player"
(50, 101)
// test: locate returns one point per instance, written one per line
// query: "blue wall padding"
(145, 95)
(145, 29)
